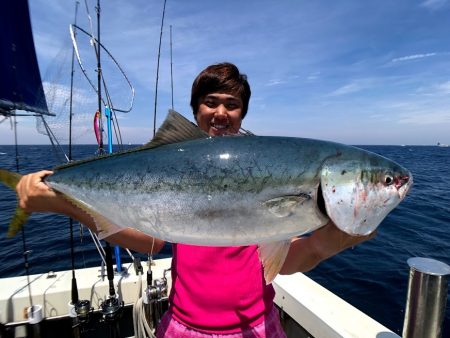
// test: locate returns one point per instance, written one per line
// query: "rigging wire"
(119, 67)
(98, 245)
(157, 68)
(53, 141)
(113, 111)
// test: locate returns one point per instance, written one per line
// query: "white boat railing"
(318, 311)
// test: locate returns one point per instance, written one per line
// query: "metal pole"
(426, 298)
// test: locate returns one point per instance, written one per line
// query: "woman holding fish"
(216, 290)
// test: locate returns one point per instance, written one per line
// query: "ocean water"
(373, 276)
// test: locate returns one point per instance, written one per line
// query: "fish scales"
(210, 191)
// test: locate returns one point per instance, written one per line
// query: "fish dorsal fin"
(175, 128)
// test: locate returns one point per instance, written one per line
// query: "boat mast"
(157, 68)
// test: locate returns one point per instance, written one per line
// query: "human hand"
(329, 240)
(34, 194)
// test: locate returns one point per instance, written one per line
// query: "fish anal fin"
(283, 206)
(272, 256)
(19, 219)
(105, 227)
(175, 128)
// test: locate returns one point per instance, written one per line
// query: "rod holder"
(426, 298)
(34, 314)
(35, 317)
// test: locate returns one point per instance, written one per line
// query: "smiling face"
(219, 114)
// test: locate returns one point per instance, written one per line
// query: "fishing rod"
(112, 308)
(81, 308)
(34, 311)
(171, 65)
(75, 298)
(99, 76)
(97, 48)
(157, 68)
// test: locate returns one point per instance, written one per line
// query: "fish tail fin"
(10, 179)
(16, 224)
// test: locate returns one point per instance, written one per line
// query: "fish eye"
(388, 179)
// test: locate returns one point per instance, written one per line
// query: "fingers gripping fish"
(187, 187)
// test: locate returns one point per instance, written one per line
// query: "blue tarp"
(20, 80)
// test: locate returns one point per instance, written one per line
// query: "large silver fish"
(187, 187)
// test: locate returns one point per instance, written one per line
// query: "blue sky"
(350, 71)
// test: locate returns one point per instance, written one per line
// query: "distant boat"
(439, 144)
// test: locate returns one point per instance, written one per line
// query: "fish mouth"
(400, 181)
(403, 184)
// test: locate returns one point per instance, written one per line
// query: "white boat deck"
(316, 309)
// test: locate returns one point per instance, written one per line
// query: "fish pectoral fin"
(272, 256)
(19, 219)
(284, 205)
(175, 128)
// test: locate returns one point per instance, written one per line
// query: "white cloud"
(435, 90)
(270, 42)
(425, 117)
(314, 76)
(444, 88)
(275, 82)
(434, 4)
(348, 89)
(413, 57)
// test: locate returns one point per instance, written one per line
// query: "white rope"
(140, 325)
(75, 46)
(99, 247)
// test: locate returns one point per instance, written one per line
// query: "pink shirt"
(219, 289)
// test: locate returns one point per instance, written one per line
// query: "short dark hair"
(220, 78)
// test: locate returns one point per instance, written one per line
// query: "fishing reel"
(84, 311)
(156, 300)
(112, 309)
(158, 290)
